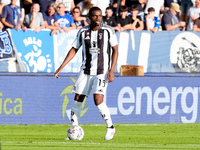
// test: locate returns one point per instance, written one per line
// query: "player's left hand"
(111, 76)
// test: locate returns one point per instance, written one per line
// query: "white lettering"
(175, 93)
(161, 100)
(193, 108)
(140, 92)
(122, 100)
(32, 40)
(180, 102)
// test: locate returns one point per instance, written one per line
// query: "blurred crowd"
(65, 15)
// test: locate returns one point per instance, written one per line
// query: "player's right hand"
(56, 73)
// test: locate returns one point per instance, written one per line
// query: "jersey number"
(102, 83)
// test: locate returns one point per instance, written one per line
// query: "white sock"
(75, 113)
(105, 113)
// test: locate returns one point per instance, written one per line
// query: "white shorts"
(85, 83)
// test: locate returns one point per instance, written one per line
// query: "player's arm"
(195, 28)
(69, 57)
(3, 20)
(113, 64)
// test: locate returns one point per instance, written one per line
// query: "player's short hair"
(151, 9)
(108, 8)
(134, 8)
(123, 8)
(94, 9)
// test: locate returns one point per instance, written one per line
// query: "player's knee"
(98, 102)
(79, 98)
(98, 99)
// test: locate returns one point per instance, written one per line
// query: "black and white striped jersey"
(96, 48)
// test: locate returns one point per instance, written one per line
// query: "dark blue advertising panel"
(43, 99)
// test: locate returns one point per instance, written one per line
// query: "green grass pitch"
(128, 136)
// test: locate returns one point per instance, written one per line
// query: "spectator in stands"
(34, 20)
(65, 21)
(11, 15)
(193, 14)
(196, 26)
(43, 4)
(158, 5)
(85, 7)
(18, 3)
(115, 8)
(167, 4)
(137, 23)
(79, 21)
(123, 21)
(102, 4)
(185, 6)
(50, 20)
(169, 20)
(69, 5)
(7, 2)
(110, 20)
(27, 5)
(129, 3)
(140, 3)
(152, 22)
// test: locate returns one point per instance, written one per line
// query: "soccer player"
(100, 53)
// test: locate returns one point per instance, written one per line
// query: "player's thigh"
(81, 86)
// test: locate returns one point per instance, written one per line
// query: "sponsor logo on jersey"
(87, 33)
(87, 38)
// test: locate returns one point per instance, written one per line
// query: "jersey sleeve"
(4, 13)
(113, 38)
(78, 40)
(157, 22)
(167, 20)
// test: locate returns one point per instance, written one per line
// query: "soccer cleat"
(67, 138)
(110, 133)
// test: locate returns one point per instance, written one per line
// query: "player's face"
(152, 13)
(134, 12)
(13, 2)
(109, 13)
(123, 14)
(51, 11)
(61, 8)
(197, 3)
(96, 18)
(76, 12)
(35, 8)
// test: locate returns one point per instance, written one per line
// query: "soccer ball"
(75, 133)
(80, 133)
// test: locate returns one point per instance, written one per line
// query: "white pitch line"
(91, 143)
(124, 124)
